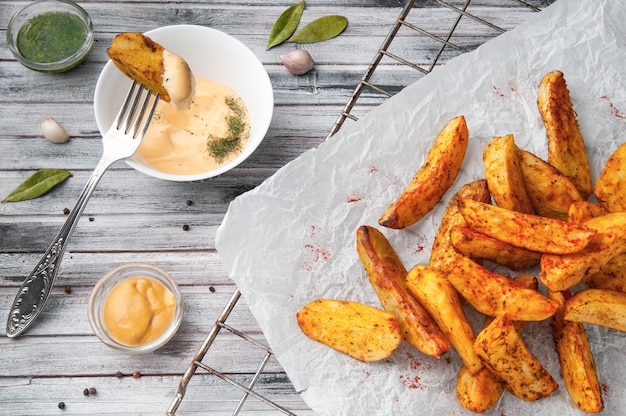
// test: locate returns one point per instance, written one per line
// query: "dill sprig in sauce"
(221, 147)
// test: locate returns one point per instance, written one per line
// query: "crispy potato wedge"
(566, 146)
(443, 255)
(610, 188)
(433, 290)
(550, 192)
(141, 59)
(355, 329)
(598, 307)
(578, 367)
(612, 276)
(561, 272)
(580, 211)
(504, 175)
(387, 275)
(532, 232)
(479, 392)
(475, 245)
(433, 178)
(502, 350)
(493, 294)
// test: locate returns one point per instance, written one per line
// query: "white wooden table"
(135, 218)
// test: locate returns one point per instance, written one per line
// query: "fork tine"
(127, 102)
(128, 114)
(140, 117)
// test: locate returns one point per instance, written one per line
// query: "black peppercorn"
(189, 202)
(186, 227)
(61, 405)
(67, 289)
(66, 211)
(86, 392)
(92, 390)
(211, 289)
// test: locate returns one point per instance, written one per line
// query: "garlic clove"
(53, 131)
(298, 61)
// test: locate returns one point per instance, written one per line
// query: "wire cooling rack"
(446, 44)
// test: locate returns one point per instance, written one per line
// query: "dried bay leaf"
(285, 25)
(37, 184)
(320, 29)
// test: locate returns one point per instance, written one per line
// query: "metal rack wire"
(461, 10)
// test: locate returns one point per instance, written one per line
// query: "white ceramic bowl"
(213, 55)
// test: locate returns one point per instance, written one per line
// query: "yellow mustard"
(138, 310)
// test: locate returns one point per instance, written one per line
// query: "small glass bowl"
(49, 6)
(104, 286)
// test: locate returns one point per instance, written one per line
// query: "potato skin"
(478, 392)
(443, 254)
(387, 275)
(141, 59)
(532, 232)
(610, 188)
(578, 367)
(502, 350)
(561, 272)
(612, 276)
(439, 297)
(598, 307)
(433, 178)
(550, 192)
(355, 329)
(566, 147)
(493, 294)
(475, 245)
(580, 211)
(503, 173)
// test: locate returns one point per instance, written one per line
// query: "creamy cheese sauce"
(178, 80)
(138, 310)
(178, 141)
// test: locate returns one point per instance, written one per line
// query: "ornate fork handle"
(35, 290)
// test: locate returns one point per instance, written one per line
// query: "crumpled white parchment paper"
(292, 239)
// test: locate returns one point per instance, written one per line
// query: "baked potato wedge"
(479, 392)
(355, 329)
(597, 307)
(433, 290)
(156, 68)
(550, 192)
(531, 232)
(612, 276)
(610, 188)
(580, 211)
(493, 294)
(504, 175)
(475, 245)
(566, 146)
(561, 272)
(433, 178)
(141, 59)
(578, 367)
(443, 254)
(387, 275)
(503, 351)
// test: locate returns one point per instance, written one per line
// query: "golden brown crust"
(566, 147)
(141, 59)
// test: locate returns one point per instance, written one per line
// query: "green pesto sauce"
(50, 37)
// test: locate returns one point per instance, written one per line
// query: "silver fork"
(121, 141)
